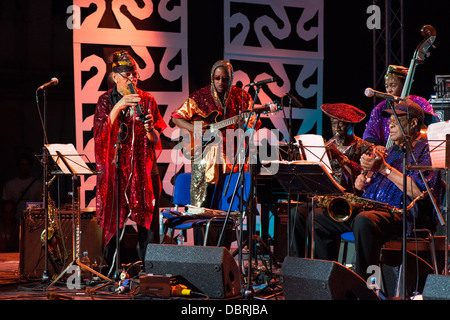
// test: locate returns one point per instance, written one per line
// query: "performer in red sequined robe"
(137, 169)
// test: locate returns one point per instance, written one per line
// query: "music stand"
(306, 178)
(439, 145)
(70, 162)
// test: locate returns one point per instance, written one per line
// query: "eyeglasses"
(130, 75)
(226, 79)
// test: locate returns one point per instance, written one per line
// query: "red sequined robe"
(137, 162)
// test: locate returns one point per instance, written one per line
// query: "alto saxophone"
(56, 248)
(341, 208)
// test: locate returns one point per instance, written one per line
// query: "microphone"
(369, 92)
(262, 82)
(53, 82)
(268, 108)
(294, 101)
(139, 110)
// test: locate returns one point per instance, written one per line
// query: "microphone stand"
(45, 277)
(249, 292)
(116, 163)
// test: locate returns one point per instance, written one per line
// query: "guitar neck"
(222, 124)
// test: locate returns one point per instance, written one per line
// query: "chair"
(175, 220)
(420, 244)
(181, 198)
(413, 244)
(222, 202)
(181, 193)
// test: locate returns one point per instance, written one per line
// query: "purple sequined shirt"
(377, 128)
(384, 190)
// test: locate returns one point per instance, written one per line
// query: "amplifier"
(32, 253)
(441, 107)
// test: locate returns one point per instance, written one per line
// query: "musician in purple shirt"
(373, 227)
(377, 127)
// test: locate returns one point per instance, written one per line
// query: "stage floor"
(13, 286)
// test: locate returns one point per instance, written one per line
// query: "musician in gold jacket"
(372, 228)
(215, 102)
(345, 150)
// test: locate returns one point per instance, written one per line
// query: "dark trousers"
(371, 230)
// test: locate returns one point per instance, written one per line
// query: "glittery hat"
(122, 62)
(396, 71)
(344, 112)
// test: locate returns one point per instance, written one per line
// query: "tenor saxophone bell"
(340, 209)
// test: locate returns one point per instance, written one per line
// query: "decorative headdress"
(227, 65)
(396, 71)
(122, 62)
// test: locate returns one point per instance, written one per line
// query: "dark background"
(37, 45)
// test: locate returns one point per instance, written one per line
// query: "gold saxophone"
(56, 248)
(341, 208)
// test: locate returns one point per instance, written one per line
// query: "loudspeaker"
(208, 270)
(313, 279)
(32, 254)
(437, 287)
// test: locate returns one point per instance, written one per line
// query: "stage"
(14, 286)
(297, 279)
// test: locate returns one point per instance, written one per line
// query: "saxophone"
(341, 208)
(56, 248)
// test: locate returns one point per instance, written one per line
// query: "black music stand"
(306, 178)
(70, 163)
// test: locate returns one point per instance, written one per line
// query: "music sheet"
(436, 140)
(314, 147)
(73, 159)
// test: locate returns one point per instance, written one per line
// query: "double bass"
(420, 54)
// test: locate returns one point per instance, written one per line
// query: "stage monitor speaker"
(208, 270)
(312, 279)
(31, 261)
(437, 287)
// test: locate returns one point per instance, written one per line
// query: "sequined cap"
(122, 61)
(344, 112)
(396, 71)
